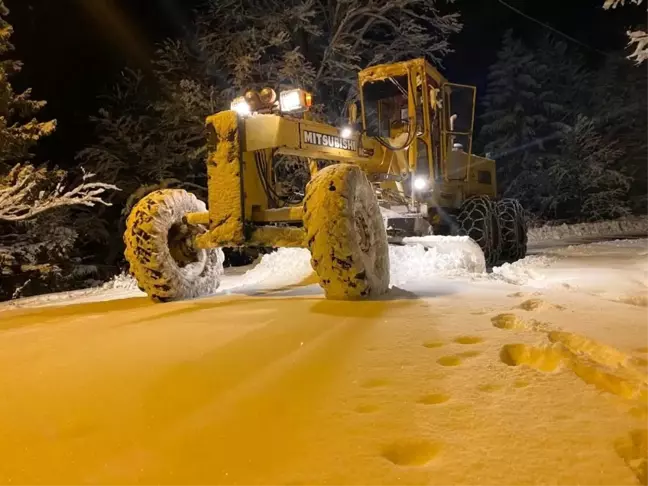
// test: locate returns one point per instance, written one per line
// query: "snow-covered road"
(532, 374)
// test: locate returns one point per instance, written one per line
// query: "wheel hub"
(181, 248)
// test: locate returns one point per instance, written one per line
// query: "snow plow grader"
(400, 172)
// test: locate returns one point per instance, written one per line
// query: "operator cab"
(410, 108)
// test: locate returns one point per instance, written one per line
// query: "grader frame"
(406, 157)
(240, 212)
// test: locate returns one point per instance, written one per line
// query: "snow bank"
(427, 256)
(286, 266)
(421, 258)
(521, 272)
(624, 226)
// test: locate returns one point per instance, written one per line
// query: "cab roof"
(416, 66)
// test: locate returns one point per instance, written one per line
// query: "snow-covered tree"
(556, 129)
(619, 106)
(26, 191)
(587, 175)
(565, 75)
(637, 39)
(318, 45)
(29, 245)
(520, 115)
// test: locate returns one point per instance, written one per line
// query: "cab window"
(385, 104)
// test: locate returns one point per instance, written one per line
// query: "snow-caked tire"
(513, 229)
(346, 234)
(161, 259)
(477, 219)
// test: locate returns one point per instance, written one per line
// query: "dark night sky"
(74, 49)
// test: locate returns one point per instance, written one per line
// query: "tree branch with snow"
(27, 191)
(638, 37)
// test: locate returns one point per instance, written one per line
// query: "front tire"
(346, 234)
(477, 219)
(159, 251)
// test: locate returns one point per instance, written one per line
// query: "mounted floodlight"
(268, 96)
(295, 100)
(420, 183)
(346, 132)
(253, 100)
(240, 106)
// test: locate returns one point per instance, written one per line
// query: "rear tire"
(513, 229)
(158, 248)
(346, 234)
(477, 219)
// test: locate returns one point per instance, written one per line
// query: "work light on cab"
(240, 106)
(295, 100)
(268, 97)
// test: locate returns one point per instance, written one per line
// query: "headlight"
(268, 96)
(420, 183)
(295, 100)
(240, 106)
(346, 132)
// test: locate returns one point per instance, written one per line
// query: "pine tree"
(520, 116)
(19, 131)
(30, 247)
(566, 76)
(587, 176)
(26, 191)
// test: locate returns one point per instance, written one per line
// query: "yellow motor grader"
(401, 168)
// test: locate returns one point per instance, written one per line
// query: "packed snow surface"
(534, 373)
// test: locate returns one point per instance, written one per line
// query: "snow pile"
(286, 266)
(624, 226)
(434, 255)
(521, 272)
(123, 281)
(418, 261)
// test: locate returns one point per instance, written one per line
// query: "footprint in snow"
(433, 399)
(410, 452)
(633, 449)
(507, 321)
(468, 339)
(449, 360)
(433, 344)
(519, 294)
(375, 383)
(538, 304)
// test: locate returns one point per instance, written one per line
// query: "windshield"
(385, 106)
